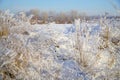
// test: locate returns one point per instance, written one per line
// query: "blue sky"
(88, 6)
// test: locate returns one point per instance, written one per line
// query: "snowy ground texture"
(78, 51)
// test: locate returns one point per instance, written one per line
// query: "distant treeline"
(43, 17)
(52, 16)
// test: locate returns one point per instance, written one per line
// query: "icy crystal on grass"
(83, 50)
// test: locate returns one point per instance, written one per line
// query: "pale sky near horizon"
(88, 6)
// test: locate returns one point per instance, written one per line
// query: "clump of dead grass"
(14, 61)
(13, 68)
(4, 29)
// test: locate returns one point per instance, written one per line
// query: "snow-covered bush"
(98, 52)
(14, 56)
(22, 53)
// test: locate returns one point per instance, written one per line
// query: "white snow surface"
(56, 45)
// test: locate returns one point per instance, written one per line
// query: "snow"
(51, 50)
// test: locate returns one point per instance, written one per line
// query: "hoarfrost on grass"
(83, 50)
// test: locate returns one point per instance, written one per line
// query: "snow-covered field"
(78, 51)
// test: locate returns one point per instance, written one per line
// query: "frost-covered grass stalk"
(10, 64)
(99, 58)
(21, 52)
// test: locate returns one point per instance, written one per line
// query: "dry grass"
(105, 57)
(4, 27)
(11, 69)
(14, 57)
(4, 30)
(14, 64)
(21, 63)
